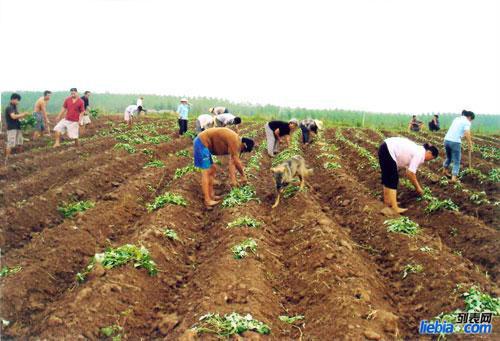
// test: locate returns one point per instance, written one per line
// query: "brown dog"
(287, 171)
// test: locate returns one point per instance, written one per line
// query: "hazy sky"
(377, 55)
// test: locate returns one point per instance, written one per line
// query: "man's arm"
(277, 135)
(413, 178)
(239, 166)
(15, 116)
(62, 113)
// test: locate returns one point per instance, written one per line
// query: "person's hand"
(243, 180)
(420, 191)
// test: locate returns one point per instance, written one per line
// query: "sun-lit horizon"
(374, 56)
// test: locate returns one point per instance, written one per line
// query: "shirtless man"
(219, 141)
(41, 116)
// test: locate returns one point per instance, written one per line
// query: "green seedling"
(154, 163)
(244, 222)
(290, 319)
(180, 172)
(239, 196)
(166, 198)
(291, 190)
(241, 250)
(479, 198)
(125, 146)
(230, 324)
(331, 165)
(402, 225)
(94, 113)
(68, 210)
(148, 152)
(190, 134)
(435, 204)
(6, 271)
(426, 249)
(412, 268)
(112, 258)
(494, 175)
(170, 234)
(113, 331)
(182, 153)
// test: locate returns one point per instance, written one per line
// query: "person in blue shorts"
(219, 141)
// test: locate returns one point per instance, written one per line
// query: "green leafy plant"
(182, 153)
(435, 204)
(155, 163)
(190, 134)
(239, 196)
(443, 181)
(426, 249)
(230, 324)
(290, 319)
(113, 331)
(479, 198)
(6, 271)
(290, 191)
(494, 175)
(68, 210)
(170, 234)
(166, 198)
(412, 268)
(148, 152)
(28, 122)
(241, 250)
(244, 222)
(94, 113)
(402, 225)
(180, 172)
(331, 165)
(125, 146)
(112, 258)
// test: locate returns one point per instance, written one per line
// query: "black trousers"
(389, 168)
(183, 126)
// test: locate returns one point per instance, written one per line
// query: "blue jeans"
(453, 154)
(305, 134)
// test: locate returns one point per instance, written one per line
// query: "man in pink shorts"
(72, 110)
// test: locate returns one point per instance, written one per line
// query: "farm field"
(324, 260)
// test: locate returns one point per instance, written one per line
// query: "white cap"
(319, 124)
(294, 121)
(184, 100)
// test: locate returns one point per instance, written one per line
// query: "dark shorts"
(40, 123)
(390, 177)
(202, 156)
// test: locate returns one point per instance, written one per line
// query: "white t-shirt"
(139, 102)
(406, 153)
(131, 109)
(206, 121)
(225, 119)
(457, 129)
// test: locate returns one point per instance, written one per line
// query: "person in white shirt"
(224, 120)
(203, 122)
(219, 110)
(459, 128)
(400, 152)
(129, 113)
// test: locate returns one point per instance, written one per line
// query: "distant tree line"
(116, 103)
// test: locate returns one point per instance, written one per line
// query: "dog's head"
(279, 177)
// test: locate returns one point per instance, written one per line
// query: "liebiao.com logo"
(466, 323)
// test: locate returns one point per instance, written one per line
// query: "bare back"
(40, 105)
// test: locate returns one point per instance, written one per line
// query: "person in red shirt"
(72, 110)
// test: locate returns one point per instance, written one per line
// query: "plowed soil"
(324, 253)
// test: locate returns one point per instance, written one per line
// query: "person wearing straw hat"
(308, 127)
(183, 111)
(276, 131)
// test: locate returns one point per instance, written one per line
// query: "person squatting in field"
(309, 127)
(86, 118)
(14, 132)
(434, 123)
(459, 128)
(41, 116)
(183, 111)
(129, 114)
(400, 152)
(218, 110)
(276, 131)
(415, 125)
(72, 110)
(219, 141)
